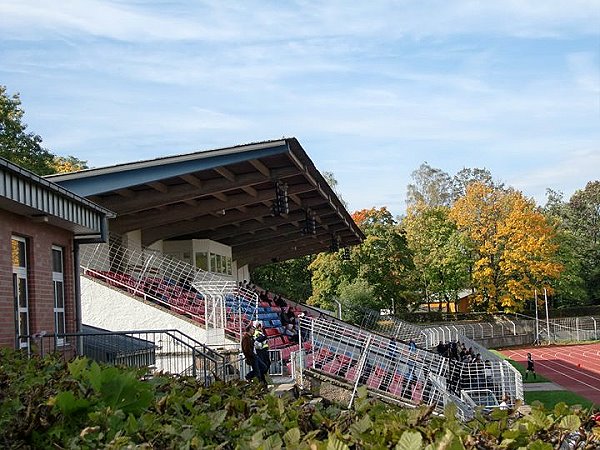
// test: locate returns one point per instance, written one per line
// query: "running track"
(574, 367)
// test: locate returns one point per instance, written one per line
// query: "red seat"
(376, 378)
(396, 385)
(271, 331)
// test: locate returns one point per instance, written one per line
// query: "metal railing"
(168, 351)
(570, 329)
(171, 283)
(390, 368)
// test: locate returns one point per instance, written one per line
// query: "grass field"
(552, 398)
(538, 379)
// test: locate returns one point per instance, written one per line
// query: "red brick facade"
(40, 238)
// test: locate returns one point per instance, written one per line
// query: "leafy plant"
(45, 403)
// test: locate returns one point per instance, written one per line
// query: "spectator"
(258, 368)
(287, 316)
(412, 346)
(261, 344)
(279, 301)
(291, 332)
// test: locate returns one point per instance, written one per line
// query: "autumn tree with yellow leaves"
(513, 245)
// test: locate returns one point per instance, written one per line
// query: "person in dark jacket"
(252, 359)
(530, 367)
(261, 345)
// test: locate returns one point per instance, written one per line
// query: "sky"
(371, 89)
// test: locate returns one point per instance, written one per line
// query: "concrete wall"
(110, 309)
(507, 341)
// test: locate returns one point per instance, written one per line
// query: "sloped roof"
(225, 195)
(25, 193)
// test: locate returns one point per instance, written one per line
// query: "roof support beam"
(226, 173)
(185, 227)
(142, 201)
(160, 187)
(193, 180)
(178, 213)
(261, 167)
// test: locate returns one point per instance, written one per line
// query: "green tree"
(16, 144)
(466, 176)
(355, 296)
(440, 254)
(579, 224)
(514, 245)
(289, 278)
(382, 261)
(570, 287)
(430, 186)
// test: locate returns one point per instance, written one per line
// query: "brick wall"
(40, 239)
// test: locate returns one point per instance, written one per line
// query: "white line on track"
(540, 356)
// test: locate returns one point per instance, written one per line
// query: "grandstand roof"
(225, 195)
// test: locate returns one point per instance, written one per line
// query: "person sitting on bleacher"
(279, 301)
(291, 332)
(288, 316)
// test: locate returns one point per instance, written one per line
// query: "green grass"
(552, 398)
(538, 379)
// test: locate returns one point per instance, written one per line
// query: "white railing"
(396, 370)
(215, 302)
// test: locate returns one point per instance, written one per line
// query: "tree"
(289, 278)
(382, 261)
(466, 176)
(578, 221)
(25, 148)
(570, 288)
(16, 144)
(64, 164)
(356, 296)
(514, 246)
(431, 186)
(439, 252)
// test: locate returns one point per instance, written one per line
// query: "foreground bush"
(47, 404)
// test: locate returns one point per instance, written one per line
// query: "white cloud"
(260, 21)
(585, 68)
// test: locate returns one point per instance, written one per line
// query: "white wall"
(110, 309)
(243, 273)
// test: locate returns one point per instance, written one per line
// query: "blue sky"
(371, 89)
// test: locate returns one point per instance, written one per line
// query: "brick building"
(42, 226)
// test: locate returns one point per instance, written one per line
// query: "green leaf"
(257, 439)
(94, 376)
(292, 437)
(120, 390)
(217, 418)
(410, 440)
(77, 367)
(273, 442)
(539, 445)
(570, 422)
(333, 443)
(68, 404)
(362, 426)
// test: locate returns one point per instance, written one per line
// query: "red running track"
(574, 367)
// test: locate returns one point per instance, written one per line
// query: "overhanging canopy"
(225, 195)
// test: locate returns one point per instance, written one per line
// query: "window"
(228, 264)
(20, 291)
(58, 283)
(202, 260)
